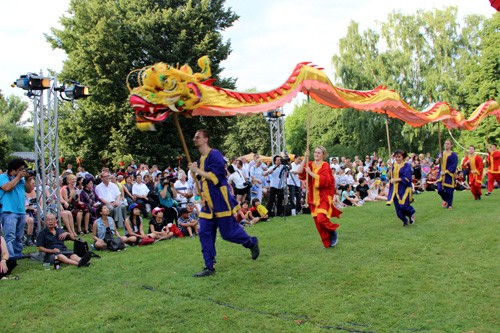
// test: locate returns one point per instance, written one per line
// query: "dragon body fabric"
(162, 89)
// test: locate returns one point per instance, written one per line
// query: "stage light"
(274, 114)
(32, 81)
(76, 91)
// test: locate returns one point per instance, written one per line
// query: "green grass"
(439, 275)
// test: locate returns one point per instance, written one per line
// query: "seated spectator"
(127, 190)
(374, 193)
(99, 229)
(259, 212)
(158, 226)
(31, 213)
(187, 225)
(51, 242)
(184, 192)
(167, 195)
(362, 189)
(431, 182)
(7, 265)
(349, 198)
(89, 198)
(382, 169)
(193, 212)
(460, 183)
(140, 191)
(109, 194)
(244, 215)
(71, 201)
(133, 224)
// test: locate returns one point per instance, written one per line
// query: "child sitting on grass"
(244, 215)
(259, 212)
(187, 225)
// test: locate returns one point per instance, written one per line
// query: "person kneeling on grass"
(259, 212)
(51, 242)
(187, 225)
(159, 226)
(133, 224)
(99, 229)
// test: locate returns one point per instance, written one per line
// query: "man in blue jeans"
(13, 189)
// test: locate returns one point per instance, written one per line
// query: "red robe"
(475, 174)
(493, 169)
(321, 191)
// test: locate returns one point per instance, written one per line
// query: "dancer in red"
(321, 190)
(493, 162)
(474, 163)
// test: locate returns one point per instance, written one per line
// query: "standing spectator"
(257, 176)
(278, 182)
(295, 186)
(219, 205)
(13, 189)
(335, 166)
(109, 194)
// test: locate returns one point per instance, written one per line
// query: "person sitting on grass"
(187, 225)
(133, 224)
(244, 215)
(193, 212)
(6, 264)
(349, 198)
(259, 212)
(51, 242)
(158, 226)
(100, 226)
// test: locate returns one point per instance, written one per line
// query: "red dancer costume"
(475, 164)
(493, 161)
(321, 190)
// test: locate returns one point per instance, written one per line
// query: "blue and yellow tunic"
(447, 170)
(401, 190)
(215, 191)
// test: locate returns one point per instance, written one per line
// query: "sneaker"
(205, 272)
(488, 193)
(334, 239)
(255, 249)
(412, 219)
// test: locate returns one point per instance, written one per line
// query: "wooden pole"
(439, 137)
(387, 132)
(307, 145)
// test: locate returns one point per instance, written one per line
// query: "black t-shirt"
(417, 172)
(50, 241)
(158, 226)
(363, 190)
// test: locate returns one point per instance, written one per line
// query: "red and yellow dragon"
(162, 89)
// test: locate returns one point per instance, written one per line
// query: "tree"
(424, 57)
(104, 41)
(16, 135)
(248, 134)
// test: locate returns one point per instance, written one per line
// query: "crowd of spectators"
(121, 199)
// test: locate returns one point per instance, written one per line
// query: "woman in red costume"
(475, 164)
(321, 191)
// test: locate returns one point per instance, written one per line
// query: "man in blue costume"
(400, 191)
(446, 178)
(218, 205)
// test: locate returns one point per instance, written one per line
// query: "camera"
(30, 172)
(285, 160)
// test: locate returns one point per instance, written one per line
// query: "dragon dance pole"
(184, 146)
(439, 137)
(387, 131)
(307, 144)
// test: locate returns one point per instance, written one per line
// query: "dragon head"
(163, 89)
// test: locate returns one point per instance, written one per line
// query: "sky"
(268, 40)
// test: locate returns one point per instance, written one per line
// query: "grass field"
(439, 275)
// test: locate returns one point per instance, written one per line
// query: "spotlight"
(76, 91)
(273, 114)
(32, 81)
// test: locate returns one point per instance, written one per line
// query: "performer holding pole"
(446, 177)
(475, 165)
(219, 205)
(400, 191)
(321, 190)
(493, 163)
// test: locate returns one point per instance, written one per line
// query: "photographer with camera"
(278, 182)
(294, 186)
(167, 193)
(13, 189)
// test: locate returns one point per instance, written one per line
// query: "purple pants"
(230, 230)
(446, 194)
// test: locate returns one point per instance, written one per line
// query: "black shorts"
(51, 257)
(241, 191)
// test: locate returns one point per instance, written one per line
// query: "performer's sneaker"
(412, 219)
(335, 239)
(255, 249)
(488, 193)
(444, 204)
(205, 272)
